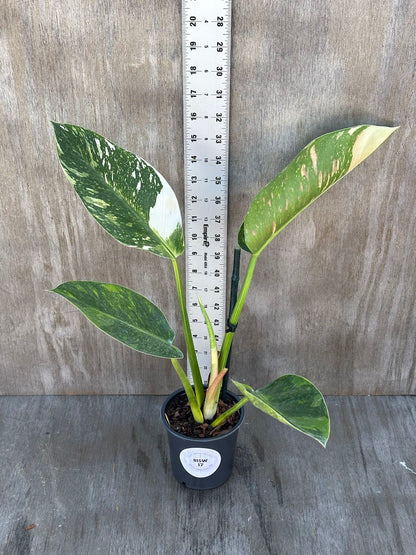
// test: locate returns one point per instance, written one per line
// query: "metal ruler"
(206, 35)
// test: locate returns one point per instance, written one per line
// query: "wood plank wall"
(333, 297)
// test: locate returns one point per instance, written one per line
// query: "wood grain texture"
(92, 474)
(333, 297)
(106, 66)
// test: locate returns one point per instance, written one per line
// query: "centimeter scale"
(206, 34)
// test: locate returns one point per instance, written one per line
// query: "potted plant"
(135, 204)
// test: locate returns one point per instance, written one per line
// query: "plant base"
(201, 463)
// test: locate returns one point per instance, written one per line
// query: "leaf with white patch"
(126, 195)
(315, 169)
(124, 315)
(295, 401)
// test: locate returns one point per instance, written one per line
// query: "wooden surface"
(92, 474)
(333, 297)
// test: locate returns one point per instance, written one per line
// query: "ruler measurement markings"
(206, 43)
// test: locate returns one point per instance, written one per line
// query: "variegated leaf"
(295, 401)
(315, 169)
(125, 194)
(124, 315)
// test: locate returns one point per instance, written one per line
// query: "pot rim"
(200, 439)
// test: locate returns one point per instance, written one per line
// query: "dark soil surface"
(179, 416)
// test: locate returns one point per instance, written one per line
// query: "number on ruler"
(206, 40)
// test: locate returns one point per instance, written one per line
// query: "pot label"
(200, 462)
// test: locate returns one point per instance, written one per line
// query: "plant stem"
(235, 315)
(212, 395)
(196, 375)
(196, 411)
(235, 278)
(225, 349)
(222, 417)
(244, 290)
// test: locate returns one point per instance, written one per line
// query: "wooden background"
(333, 297)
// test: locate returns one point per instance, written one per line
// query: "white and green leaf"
(295, 401)
(315, 169)
(124, 315)
(126, 195)
(215, 379)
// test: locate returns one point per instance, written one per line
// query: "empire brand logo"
(205, 235)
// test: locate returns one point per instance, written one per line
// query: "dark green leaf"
(123, 314)
(295, 401)
(241, 239)
(125, 194)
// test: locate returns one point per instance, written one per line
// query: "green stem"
(235, 315)
(225, 349)
(196, 375)
(222, 417)
(235, 278)
(193, 403)
(244, 290)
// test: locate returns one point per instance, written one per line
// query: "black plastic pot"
(201, 463)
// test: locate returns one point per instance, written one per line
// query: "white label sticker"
(200, 462)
